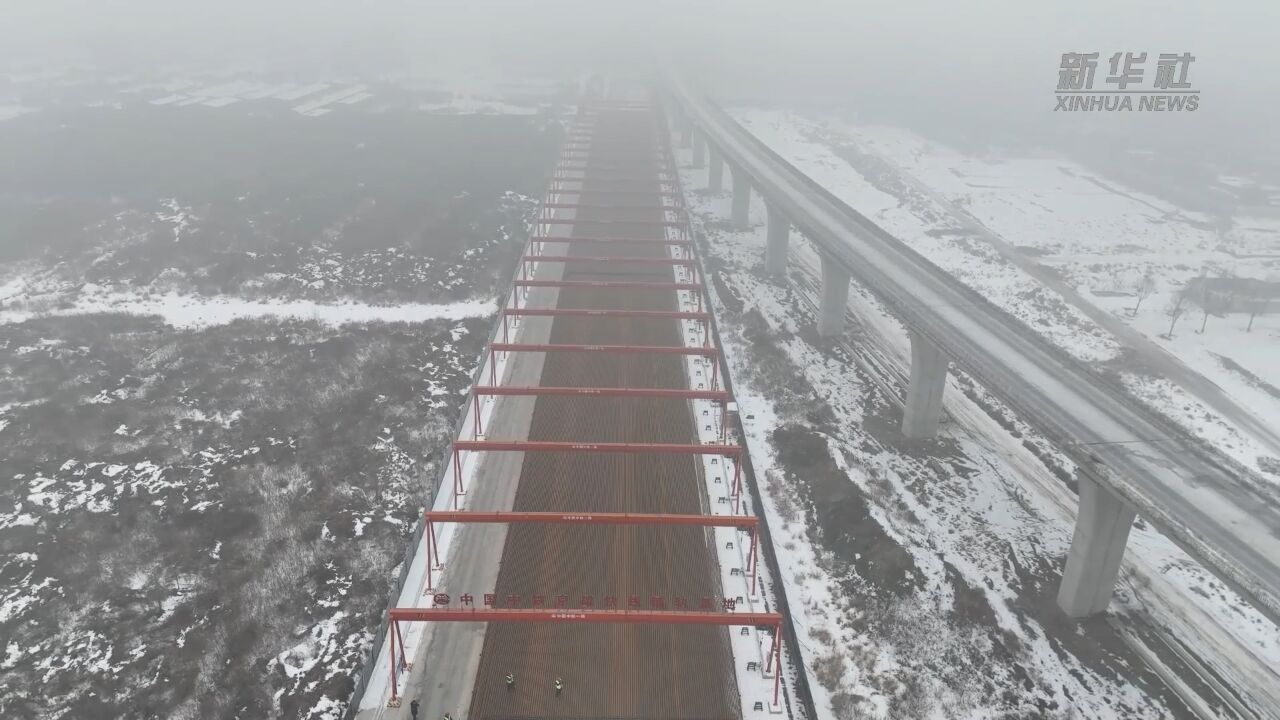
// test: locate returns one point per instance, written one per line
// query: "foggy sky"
(991, 63)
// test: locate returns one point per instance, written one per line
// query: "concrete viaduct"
(1131, 461)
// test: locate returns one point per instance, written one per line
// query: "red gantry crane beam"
(699, 316)
(621, 349)
(598, 447)
(641, 180)
(631, 284)
(741, 522)
(720, 449)
(614, 184)
(581, 615)
(593, 312)
(657, 163)
(703, 351)
(695, 287)
(745, 522)
(629, 223)
(620, 259)
(622, 392)
(572, 240)
(627, 208)
(679, 239)
(624, 193)
(719, 396)
(578, 156)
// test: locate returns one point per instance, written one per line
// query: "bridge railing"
(804, 694)
(1178, 440)
(370, 661)
(906, 309)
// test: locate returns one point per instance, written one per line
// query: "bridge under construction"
(593, 552)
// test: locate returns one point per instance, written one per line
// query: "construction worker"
(559, 686)
(413, 709)
(511, 681)
(447, 716)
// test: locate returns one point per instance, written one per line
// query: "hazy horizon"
(991, 70)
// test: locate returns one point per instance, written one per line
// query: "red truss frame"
(593, 163)
(721, 449)
(626, 193)
(628, 208)
(657, 177)
(609, 161)
(616, 617)
(718, 396)
(706, 351)
(700, 316)
(695, 287)
(570, 154)
(598, 240)
(431, 517)
(645, 184)
(620, 259)
(634, 284)
(599, 312)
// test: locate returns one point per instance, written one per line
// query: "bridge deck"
(1193, 494)
(610, 670)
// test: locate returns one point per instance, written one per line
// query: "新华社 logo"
(1125, 88)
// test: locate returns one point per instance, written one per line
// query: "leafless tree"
(1177, 306)
(1259, 300)
(1207, 302)
(1143, 289)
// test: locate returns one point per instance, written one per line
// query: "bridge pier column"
(686, 132)
(835, 296)
(715, 180)
(775, 249)
(699, 149)
(923, 410)
(1097, 547)
(741, 199)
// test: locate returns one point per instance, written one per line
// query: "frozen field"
(925, 572)
(227, 374)
(1065, 251)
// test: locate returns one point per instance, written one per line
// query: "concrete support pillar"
(775, 248)
(699, 149)
(835, 296)
(741, 199)
(1093, 564)
(715, 180)
(686, 132)
(923, 410)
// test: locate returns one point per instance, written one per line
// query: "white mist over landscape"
(257, 257)
(989, 66)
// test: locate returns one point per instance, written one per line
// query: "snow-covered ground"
(210, 401)
(193, 311)
(1006, 224)
(448, 95)
(476, 105)
(8, 112)
(922, 579)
